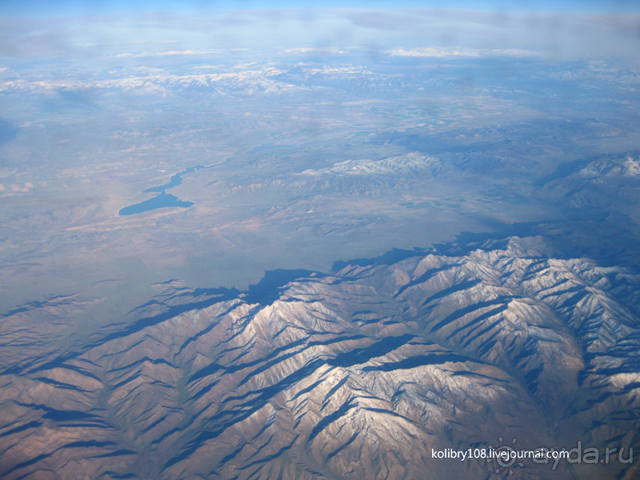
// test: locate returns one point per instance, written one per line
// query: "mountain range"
(363, 372)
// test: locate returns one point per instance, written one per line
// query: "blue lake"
(159, 201)
(163, 199)
(174, 181)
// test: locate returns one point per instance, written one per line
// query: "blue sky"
(73, 7)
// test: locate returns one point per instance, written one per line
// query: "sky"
(91, 34)
(566, 30)
(74, 7)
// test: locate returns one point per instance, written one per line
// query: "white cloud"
(462, 52)
(314, 51)
(168, 53)
(15, 189)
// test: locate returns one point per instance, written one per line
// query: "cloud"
(170, 53)
(384, 20)
(314, 51)
(320, 32)
(444, 52)
(15, 189)
(474, 33)
(35, 38)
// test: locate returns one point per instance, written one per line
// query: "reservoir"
(159, 201)
(174, 181)
(163, 199)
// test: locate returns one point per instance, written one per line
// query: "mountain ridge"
(357, 373)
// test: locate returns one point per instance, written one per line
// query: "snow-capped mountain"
(360, 373)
